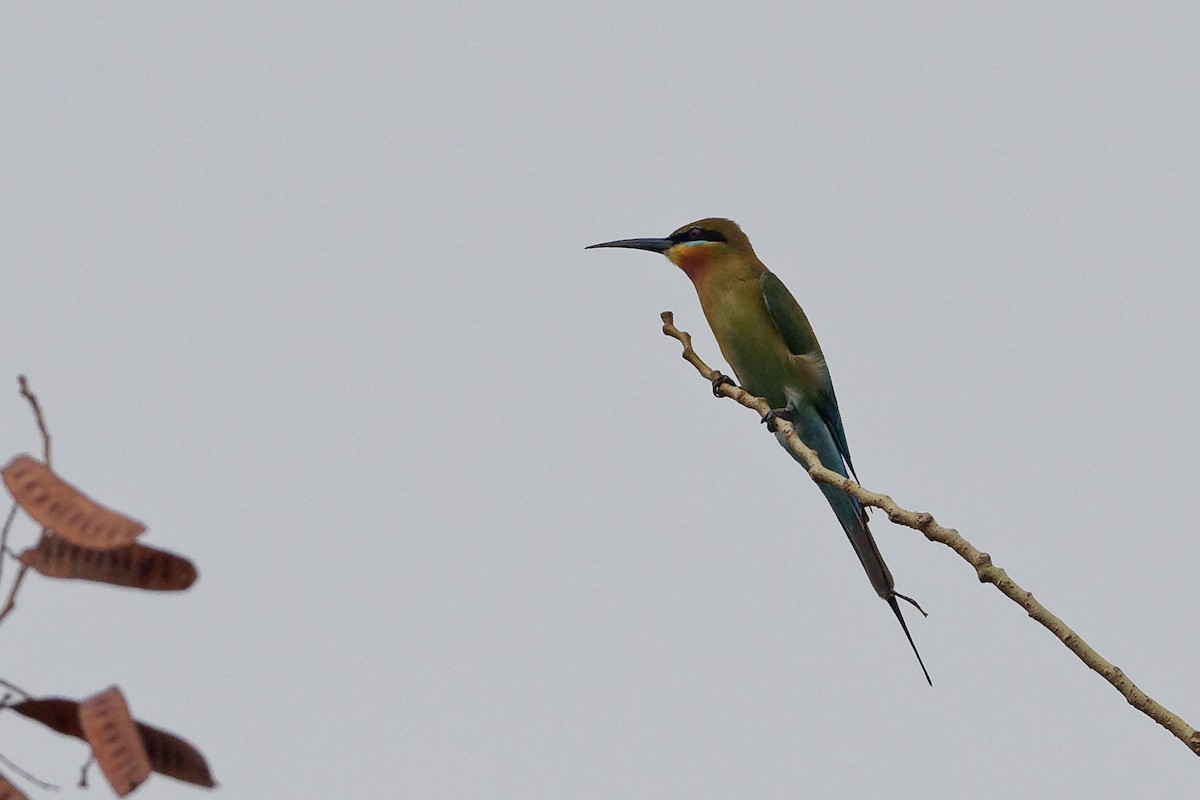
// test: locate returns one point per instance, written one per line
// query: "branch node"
(1030, 604)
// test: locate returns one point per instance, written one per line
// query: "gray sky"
(303, 288)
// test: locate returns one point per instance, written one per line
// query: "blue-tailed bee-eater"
(766, 338)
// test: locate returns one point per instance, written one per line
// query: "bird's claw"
(719, 381)
(777, 413)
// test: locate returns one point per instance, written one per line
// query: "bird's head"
(696, 245)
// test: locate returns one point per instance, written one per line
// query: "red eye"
(694, 233)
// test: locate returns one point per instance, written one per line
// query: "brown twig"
(37, 413)
(980, 561)
(11, 602)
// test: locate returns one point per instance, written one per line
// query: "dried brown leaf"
(10, 792)
(113, 736)
(169, 754)
(133, 565)
(57, 505)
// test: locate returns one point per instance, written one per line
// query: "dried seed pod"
(133, 565)
(57, 505)
(115, 741)
(57, 713)
(169, 754)
(174, 757)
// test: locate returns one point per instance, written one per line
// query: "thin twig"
(11, 602)
(15, 688)
(49, 787)
(4, 534)
(83, 783)
(980, 561)
(37, 413)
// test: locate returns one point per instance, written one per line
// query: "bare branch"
(986, 571)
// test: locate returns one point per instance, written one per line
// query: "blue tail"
(813, 431)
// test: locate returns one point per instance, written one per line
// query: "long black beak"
(653, 245)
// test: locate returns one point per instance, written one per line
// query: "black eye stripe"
(697, 234)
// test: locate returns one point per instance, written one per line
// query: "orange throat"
(692, 260)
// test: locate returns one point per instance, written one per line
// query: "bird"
(767, 340)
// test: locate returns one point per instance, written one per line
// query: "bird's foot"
(769, 418)
(914, 603)
(719, 381)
